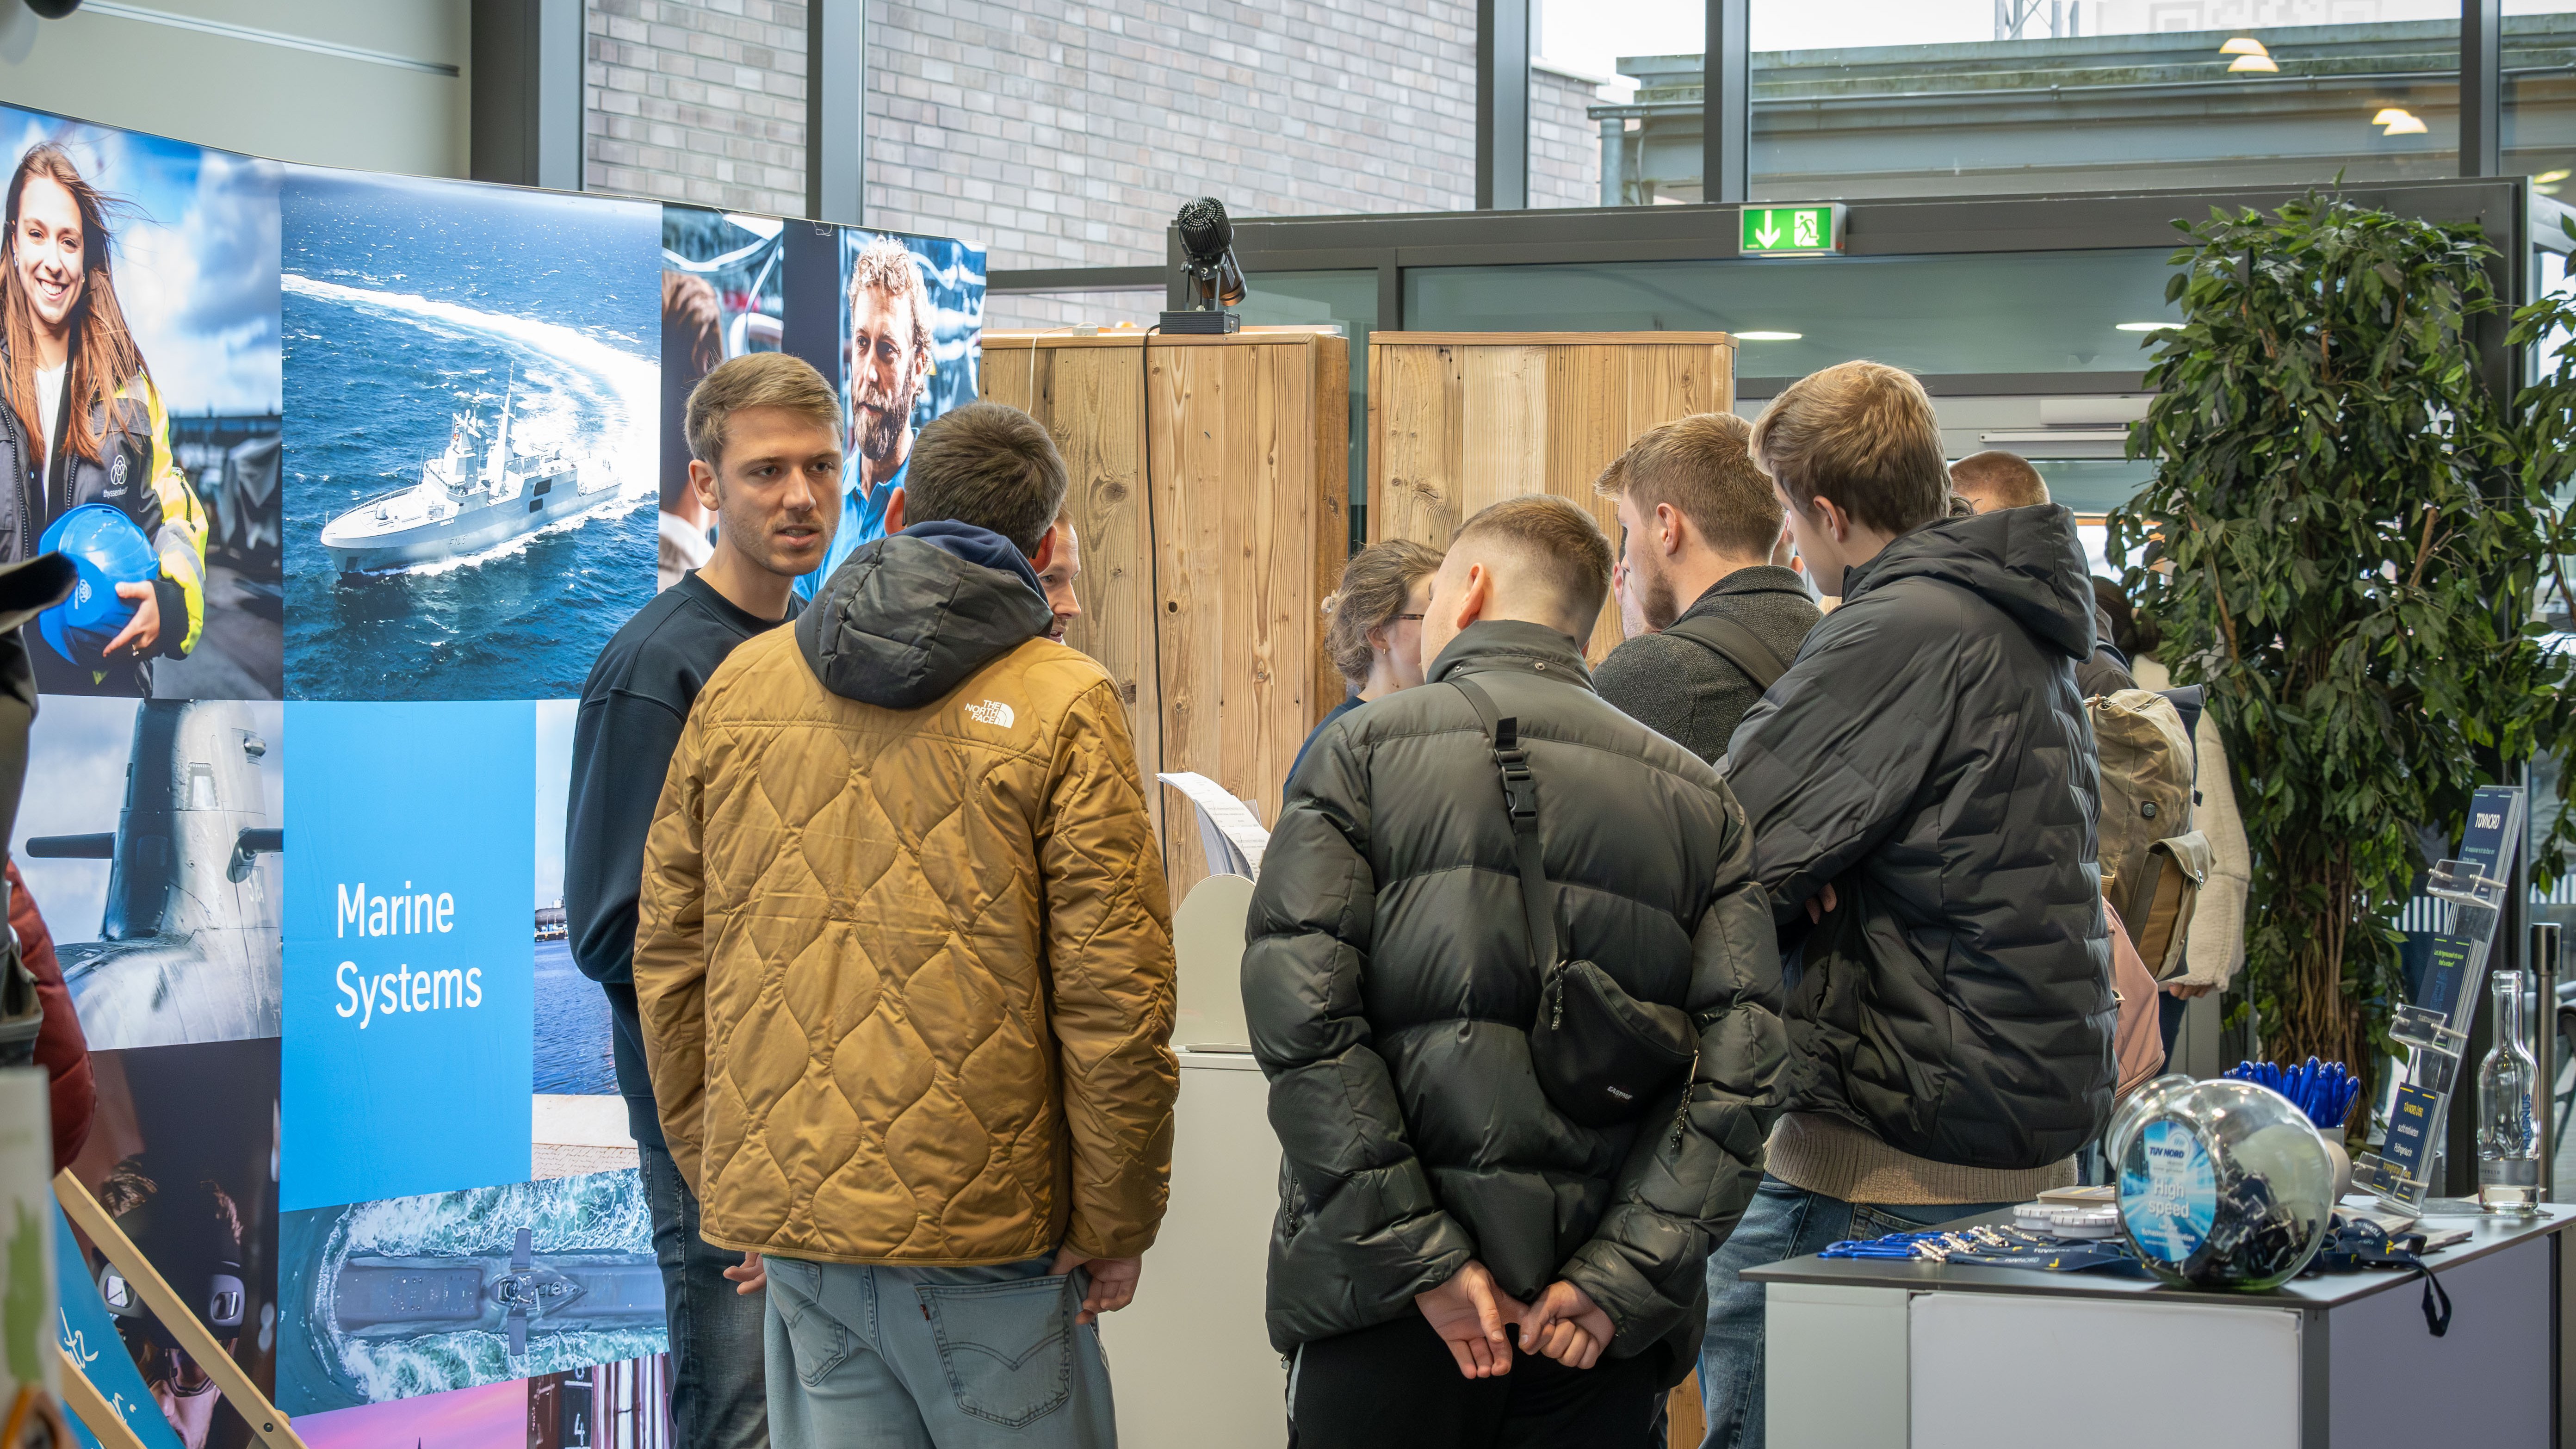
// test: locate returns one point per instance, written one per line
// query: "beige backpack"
(2153, 862)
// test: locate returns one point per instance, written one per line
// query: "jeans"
(1783, 1222)
(718, 1396)
(933, 1358)
(1395, 1386)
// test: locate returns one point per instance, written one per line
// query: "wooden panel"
(1461, 420)
(1506, 426)
(1209, 484)
(1673, 382)
(1552, 339)
(1417, 443)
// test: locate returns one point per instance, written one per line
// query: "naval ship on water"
(478, 493)
(380, 1298)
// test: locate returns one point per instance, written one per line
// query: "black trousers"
(1396, 1385)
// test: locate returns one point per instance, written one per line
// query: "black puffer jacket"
(1389, 986)
(1928, 756)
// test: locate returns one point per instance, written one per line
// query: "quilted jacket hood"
(905, 619)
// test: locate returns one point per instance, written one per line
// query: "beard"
(885, 419)
(1655, 597)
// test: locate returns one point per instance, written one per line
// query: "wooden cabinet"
(1210, 479)
(1458, 420)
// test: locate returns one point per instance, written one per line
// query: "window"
(1274, 299)
(1590, 69)
(1881, 98)
(2019, 312)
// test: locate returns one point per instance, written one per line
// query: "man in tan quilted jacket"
(905, 975)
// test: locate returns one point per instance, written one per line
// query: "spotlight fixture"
(1768, 336)
(2146, 326)
(2398, 122)
(53, 9)
(1215, 281)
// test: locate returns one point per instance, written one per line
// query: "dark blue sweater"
(637, 698)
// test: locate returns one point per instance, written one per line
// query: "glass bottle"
(2508, 1138)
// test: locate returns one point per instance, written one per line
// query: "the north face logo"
(992, 712)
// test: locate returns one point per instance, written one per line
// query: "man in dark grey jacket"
(1698, 527)
(1456, 1261)
(1923, 795)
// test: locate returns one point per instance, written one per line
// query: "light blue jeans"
(933, 1358)
(1782, 1222)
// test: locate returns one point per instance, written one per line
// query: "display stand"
(1955, 1356)
(2435, 1026)
(266, 1423)
(1210, 482)
(1458, 420)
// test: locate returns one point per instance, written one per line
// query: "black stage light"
(53, 9)
(1216, 282)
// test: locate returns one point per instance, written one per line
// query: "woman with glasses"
(1374, 625)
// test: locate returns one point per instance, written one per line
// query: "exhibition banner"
(410, 954)
(362, 472)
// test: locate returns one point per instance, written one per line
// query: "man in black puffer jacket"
(1438, 1215)
(1922, 788)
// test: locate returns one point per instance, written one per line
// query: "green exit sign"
(1777, 231)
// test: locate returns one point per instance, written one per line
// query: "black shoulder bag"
(1602, 1056)
(1735, 644)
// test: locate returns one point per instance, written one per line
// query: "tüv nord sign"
(1774, 231)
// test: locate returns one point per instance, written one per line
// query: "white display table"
(1865, 1352)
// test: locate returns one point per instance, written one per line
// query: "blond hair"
(1376, 585)
(887, 265)
(1862, 434)
(1563, 544)
(756, 380)
(1702, 465)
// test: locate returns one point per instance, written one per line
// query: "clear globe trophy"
(2434, 1027)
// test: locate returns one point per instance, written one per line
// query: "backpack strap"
(1520, 801)
(1735, 644)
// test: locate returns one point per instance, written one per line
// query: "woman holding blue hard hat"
(85, 445)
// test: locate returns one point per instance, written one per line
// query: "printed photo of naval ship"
(187, 947)
(483, 491)
(420, 1295)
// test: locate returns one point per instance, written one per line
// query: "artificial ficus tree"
(2343, 542)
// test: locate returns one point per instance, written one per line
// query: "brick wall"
(696, 102)
(1065, 134)
(1565, 144)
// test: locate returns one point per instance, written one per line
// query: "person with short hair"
(1056, 580)
(1373, 626)
(1698, 526)
(1922, 793)
(905, 972)
(1456, 1260)
(1996, 479)
(764, 436)
(892, 326)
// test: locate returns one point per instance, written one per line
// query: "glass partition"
(2022, 312)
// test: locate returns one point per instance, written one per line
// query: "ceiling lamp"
(2261, 63)
(1768, 336)
(2243, 45)
(2550, 178)
(2147, 326)
(2398, 122)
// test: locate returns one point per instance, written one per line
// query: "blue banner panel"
(410, 956)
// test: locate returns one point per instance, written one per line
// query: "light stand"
(1215, 281)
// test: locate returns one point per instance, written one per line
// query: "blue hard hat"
(107, 549)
